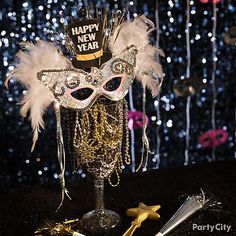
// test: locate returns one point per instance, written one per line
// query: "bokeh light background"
(34, 20)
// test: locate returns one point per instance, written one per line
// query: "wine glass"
(95, 138)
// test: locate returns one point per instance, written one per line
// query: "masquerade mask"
(78, 89)
(230, 36)
(213, 138)
(50, 77)
(188, 87)
(136, 119)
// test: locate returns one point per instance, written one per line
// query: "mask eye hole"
(139, 119)
(207, 139)
(82, 94)
(113, 84)
(219, 136)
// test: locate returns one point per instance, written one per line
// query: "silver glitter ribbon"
(61, 154)
(145, 146)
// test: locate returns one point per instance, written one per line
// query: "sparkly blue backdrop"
(33, 20)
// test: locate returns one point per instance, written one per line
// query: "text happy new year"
(86, 37)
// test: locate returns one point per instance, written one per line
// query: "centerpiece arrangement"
(90, 88)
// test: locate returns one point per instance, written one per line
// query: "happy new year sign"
(86, 35)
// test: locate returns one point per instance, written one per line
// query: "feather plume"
(137, 33)
(32, 59)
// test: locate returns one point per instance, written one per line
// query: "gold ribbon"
(56, 229)
(90, 56)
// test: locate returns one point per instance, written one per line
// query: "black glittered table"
(23, 209)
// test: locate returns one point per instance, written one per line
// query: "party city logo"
(211, 228)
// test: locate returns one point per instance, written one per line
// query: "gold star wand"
(142, 212)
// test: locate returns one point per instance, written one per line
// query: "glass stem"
(99, 192)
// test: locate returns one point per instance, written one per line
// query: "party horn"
(190, 206)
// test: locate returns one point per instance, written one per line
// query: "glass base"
(100, 220)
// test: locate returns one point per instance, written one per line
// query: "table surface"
(23, 209)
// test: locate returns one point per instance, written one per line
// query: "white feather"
(31, 60)
(147, 66)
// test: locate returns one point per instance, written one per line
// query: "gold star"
(142, 212)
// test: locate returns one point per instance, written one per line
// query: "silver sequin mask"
(77, 89)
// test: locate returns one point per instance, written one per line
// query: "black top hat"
(86, 37)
